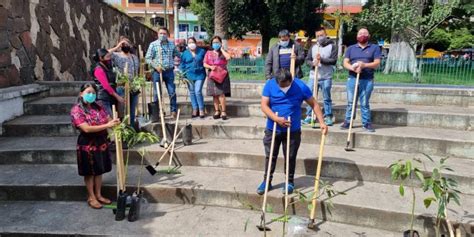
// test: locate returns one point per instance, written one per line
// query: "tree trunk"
(339, 40)
(401, 57)
(221, 19)
(265, 43)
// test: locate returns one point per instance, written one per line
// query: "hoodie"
(328, 52)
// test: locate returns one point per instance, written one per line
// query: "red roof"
(346, 9)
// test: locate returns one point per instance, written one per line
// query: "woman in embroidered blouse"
(104, 78)
(192, 65)
(119, 59)
(93, 158)
(218, 57)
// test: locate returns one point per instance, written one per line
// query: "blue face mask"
(284, 43)
(216, 46)
(162, 37)
(89, 98)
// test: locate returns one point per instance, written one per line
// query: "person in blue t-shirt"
(285, 96)
(362, 58)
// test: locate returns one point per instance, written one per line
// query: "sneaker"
(307, 120)
(261, 188)
(345, 125)
(291, 187)
(328, 121)
(368, 127)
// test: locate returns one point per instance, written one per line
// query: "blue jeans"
(363, 94)
(168, 79)
(133, 103)
(325, 86)
(195, 93)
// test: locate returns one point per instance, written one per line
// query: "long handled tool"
(152, 169)
(316, 182)
(315, 89)
(292, 63)
(122, 195)
(262, 226)
(174, 138)
(287, 164)
(134, 212)
(354, 101)
(162, 117)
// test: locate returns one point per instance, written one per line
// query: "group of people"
(282, 95)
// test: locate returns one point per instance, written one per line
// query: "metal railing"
(434, 71)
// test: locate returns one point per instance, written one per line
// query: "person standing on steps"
(215, 61)
(279, 56)
(284, 95)
(93, 157)
(104, 78)
(160, 56)
(119, 59)
(192, 64)
(324, 56)
(362, 58)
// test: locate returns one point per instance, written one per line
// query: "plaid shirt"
(161, 53)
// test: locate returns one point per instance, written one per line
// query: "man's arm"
(373, 65)
(319, 114)
(150, 53)
(269, 64)
(309, 58)
(299, 54)
(265, 105)
(347, 64)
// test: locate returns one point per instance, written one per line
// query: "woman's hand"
(112, 123)
(212, 68)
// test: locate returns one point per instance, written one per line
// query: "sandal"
(201, 114)
(104, 200)
(224, 115)
(217, 115)
(94, 204)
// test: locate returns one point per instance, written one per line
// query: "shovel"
(164, 142)
(287, 164)
(354, 101)
(122, 195)
(174, 138)
(134, 212)
(316, 182)
(152, 169)
(262, 226)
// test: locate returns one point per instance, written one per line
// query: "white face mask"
(285, 89)
(192, 46)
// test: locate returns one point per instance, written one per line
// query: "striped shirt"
(161, 53)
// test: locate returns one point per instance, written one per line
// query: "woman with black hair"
(93, 158)
(218, 86)
(104, 77)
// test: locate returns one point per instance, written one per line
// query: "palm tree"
(221, 18)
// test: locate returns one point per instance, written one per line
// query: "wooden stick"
(292, 62)
(174, 136)
(316, 178)
(169, 147)
(287, 162)
(163, 125)
(119, 155)
(315, 89)
(354, 101)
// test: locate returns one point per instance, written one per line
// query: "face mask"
(321, 39)
(126, 49)
(362, 39)
(284, 43)
(162, 37)
(192, 46)
(216, 46)
(89, 98)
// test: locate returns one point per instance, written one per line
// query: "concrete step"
(365, 204)
(60, 218)
(443, 142)
(363, 165)
(433, 141)
(392, 94)
(384, 114)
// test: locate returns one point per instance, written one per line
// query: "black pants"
(280, 138)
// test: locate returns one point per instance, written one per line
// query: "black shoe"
(216, 115)
(224, 117)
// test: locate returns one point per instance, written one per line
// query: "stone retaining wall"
(54, 40)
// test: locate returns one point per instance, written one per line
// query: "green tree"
(411, 23)
(264, 16)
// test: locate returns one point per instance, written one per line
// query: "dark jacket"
(272, 62)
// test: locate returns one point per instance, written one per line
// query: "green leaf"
(427, 201)
(419, 175)
(310, 206)
(284, 218)
(401, 190)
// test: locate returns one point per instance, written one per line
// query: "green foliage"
(461, 38)
(130, 136)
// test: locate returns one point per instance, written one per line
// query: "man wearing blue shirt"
(160, 56)
(284, 95)
(362, 58)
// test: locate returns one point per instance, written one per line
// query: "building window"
(156, 1)
(196, 28)
(136, 1)
(183, 27)
(203, 29)
(143, 1)
(157, 21)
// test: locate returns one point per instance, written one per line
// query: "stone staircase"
(215, 193)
